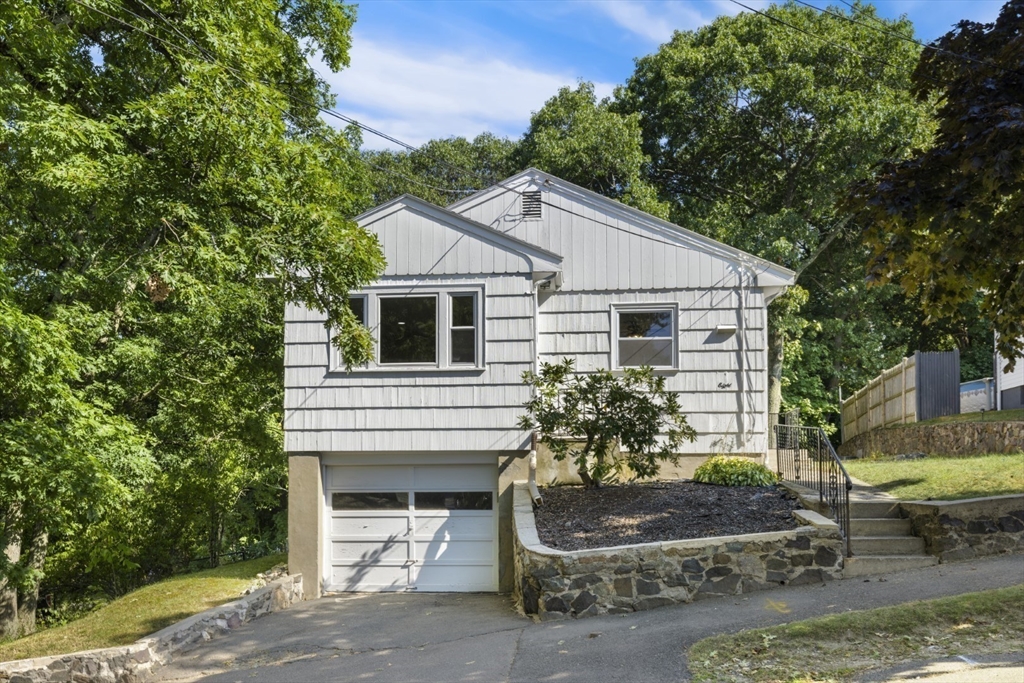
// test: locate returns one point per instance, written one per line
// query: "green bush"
(734, 472)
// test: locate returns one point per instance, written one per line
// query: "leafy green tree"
(756, 129)
(948, 223)
(158, 162)
(587, 417)
(577, 138)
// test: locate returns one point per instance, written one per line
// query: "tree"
(579, 139)
(586, 416)
(158, 162)
(948, 223)
(757, 125)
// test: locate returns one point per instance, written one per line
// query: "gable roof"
(769, 274)
(542, 261)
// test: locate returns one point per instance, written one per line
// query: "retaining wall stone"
(134, 663)
(964, 529)
(553, 584)
(954, 438)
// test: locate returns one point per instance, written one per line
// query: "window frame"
(443, 352)
(645, 307)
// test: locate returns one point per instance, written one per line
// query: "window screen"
(645, 338)
(408, 329)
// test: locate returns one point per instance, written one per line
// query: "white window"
(429, 329)
(645, 334)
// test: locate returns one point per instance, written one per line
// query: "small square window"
(408, 330)
(645, 336)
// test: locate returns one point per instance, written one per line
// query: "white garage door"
(412, 527)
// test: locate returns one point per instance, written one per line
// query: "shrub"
(734, 472)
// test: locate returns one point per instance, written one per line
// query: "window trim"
(442, 359)
(645, 307)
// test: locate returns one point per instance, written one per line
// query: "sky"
(424, 69)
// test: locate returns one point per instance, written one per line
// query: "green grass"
(1015, 415)
(943, 478)
(141, 612)
(841, 647)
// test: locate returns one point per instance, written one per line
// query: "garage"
(429, 528)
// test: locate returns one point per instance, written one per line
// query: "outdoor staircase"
(880, 541)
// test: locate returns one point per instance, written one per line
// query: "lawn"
(943, 478)
(141, 612)
(843, 646)
(1015, 415)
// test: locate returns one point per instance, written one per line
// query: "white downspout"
(532, 481)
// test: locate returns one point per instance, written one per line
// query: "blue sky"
(437, 68)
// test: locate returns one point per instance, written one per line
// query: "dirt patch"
(573, 518)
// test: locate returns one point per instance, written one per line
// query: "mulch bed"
(573, 518)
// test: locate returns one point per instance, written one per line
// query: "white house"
(400, 471)
(1009, 386)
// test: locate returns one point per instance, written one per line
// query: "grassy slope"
(142, 612)
(1015, 415)
(942, 478)
(839, 647)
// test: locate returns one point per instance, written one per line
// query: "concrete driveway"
(469, 637)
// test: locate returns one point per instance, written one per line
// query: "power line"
(896, 34)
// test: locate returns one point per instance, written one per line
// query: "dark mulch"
(573, 518)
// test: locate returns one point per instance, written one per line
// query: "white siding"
(722, 379)
(1011, 379)
(414, 410)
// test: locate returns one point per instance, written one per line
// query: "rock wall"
(964, 529)
(554, 584)
(135, 662)
(956, 438)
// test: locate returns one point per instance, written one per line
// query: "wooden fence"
(890, 398)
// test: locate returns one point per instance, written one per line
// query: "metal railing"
(805, 457)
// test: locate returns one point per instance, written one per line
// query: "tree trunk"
(776, 350)
(213, 538)
(10, 542)
(29, 597)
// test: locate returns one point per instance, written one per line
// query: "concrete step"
(874, 509)
(866, 565)
(879, 526)
(886, 545)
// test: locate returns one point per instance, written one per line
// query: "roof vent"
(532, 204)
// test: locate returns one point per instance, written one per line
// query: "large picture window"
(644, 335)
(408, 330)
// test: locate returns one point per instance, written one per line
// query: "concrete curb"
(135, 662)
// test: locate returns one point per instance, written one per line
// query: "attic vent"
(531, 204)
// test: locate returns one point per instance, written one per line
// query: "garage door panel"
(455, 579)
(361, 579)
(381, 478)
(377, 527)
(477, 525)
(458, 477)
(455, 551)
(369, 552)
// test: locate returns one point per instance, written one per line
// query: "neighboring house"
(1009, 386)
(400, 470)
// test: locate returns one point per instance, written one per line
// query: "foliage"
(755, 130)
(150, 184)
(845, 646)
(943, 478)
(577, 138)
(725, 471)
(585, 417)
(949, 222)
(141, 612)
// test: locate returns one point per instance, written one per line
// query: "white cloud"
(655, 21)
(416, 94)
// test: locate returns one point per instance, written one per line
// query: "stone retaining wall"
(964, 529)
(135, 662)
(955, 438)
(555, 584)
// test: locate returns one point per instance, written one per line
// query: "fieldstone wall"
(956, 438)
(134, 663)
(964, 529)
(555, 584)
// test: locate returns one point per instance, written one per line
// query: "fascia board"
(768, 274)
(541, 260)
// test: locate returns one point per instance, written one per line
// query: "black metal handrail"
(805, 457)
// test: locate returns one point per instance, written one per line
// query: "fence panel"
(890, 398)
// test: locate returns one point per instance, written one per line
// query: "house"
(1009, 386)
(401, 470)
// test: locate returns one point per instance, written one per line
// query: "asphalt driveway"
(469, 637)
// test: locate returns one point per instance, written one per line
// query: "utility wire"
(896, 34)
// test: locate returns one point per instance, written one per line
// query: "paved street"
(469, 637)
